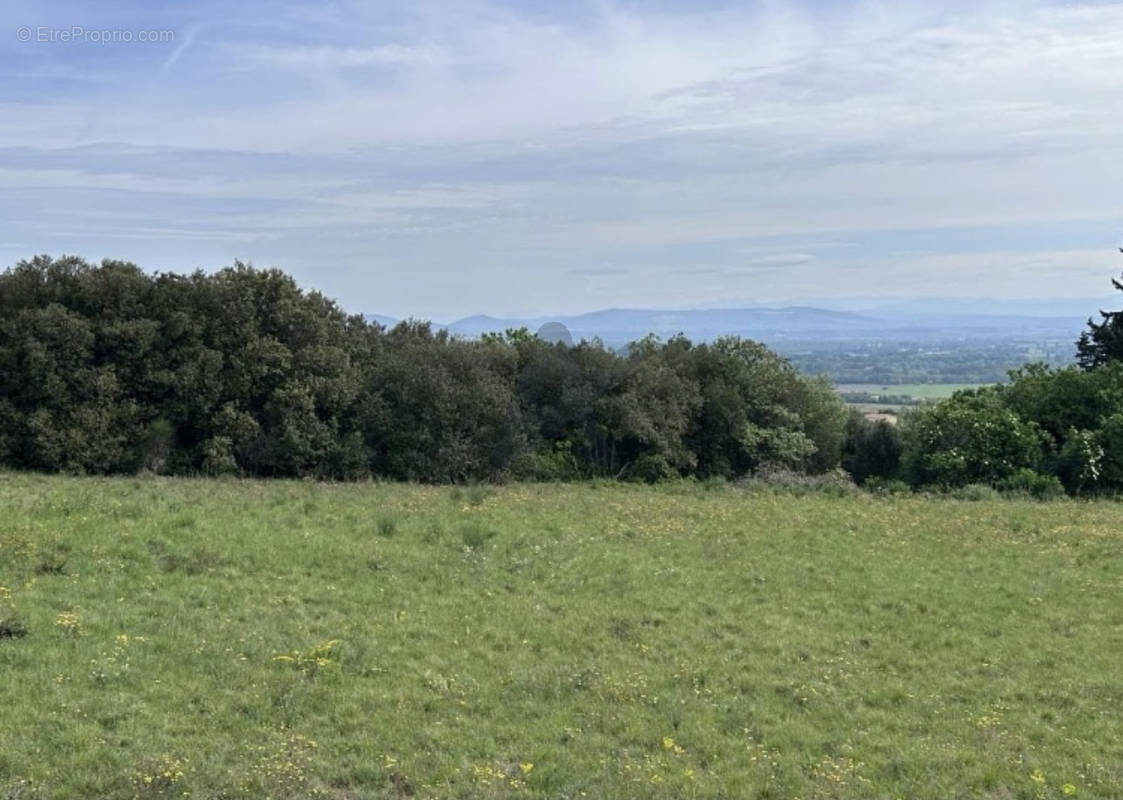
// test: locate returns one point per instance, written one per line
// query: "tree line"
(108, 369)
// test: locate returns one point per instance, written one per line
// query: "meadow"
(225, 639)
(917, 391)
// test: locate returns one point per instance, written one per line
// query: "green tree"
(758, 410)
(443, 409)
(970, 438)
(651, 413)
(1102, 341)
(107, 368)
(1075, 409)
(872, 449)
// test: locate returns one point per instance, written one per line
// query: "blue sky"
(438, 159)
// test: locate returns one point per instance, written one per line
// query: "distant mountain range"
(910, 321)
(991, 306)
(617, 325)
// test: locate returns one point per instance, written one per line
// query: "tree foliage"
(1066, 423)
(1046, 428)
(108, 369)
(871, 449)
(1102, 341)
(970, 438)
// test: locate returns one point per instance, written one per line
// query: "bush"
(1079, 461)
(872, 450)
(650, 468)
(969, 439)
(976, 492)
(836, 483)
(558, 464)
(218, 457)
(1026, 482)
(1110, 439)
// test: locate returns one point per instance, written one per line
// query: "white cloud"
(518, 149)
(782, 260)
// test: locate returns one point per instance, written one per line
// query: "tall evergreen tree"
(1103, 341)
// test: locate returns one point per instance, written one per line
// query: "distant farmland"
(877, 395)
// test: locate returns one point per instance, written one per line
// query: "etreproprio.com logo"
(80, 34)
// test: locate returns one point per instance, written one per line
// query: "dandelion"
(161, 775)
(526, 767)
(1037, 777)
(670, 744)
(70, 623)
(313, 660)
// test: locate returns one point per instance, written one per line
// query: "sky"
(439, 159)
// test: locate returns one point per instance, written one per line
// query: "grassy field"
(892, 408)
(919, 391)
(211, 639)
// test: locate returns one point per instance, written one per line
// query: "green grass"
(282, 639)
(919, 391)
(891, 408)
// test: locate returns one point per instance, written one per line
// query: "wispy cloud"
(445, 158)
(186, 39)
(781, 260)
(599, 272)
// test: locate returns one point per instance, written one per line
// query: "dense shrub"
(1046, 430)
(1032, 484)
(975, 492)
(1109, 436)
(971, 438)
(836, 483)
(871, 449)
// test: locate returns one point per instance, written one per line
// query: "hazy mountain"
(482, 323)
(618, 325)
(384, 321)
(990, 306)
(908, 320)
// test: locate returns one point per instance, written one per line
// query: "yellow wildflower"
(670, 744)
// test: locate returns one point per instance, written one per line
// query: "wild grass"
(223, 639)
